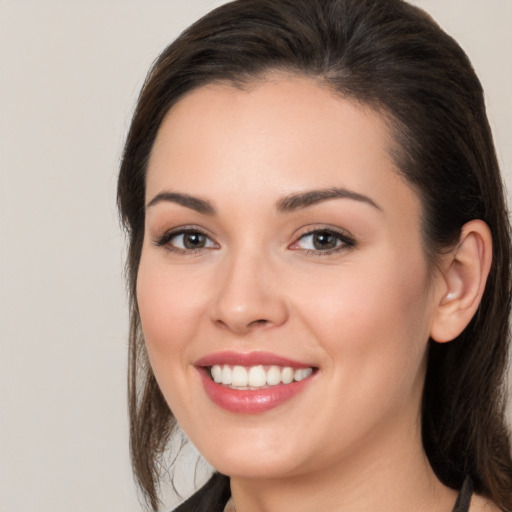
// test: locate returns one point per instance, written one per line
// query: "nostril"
(243, 327)
(259, 322)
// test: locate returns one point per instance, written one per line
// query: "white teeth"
(287, 375)
(257, 377)
(302, 374)
(274, 376)
(227, 375)
(240, 376)
(217, 373)
(254, 377)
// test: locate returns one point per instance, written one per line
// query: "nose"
(248, 297)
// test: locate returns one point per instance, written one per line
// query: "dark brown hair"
(393, 57)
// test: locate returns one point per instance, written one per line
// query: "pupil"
(193, 240)
(323, 241)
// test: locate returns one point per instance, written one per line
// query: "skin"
(361, 314)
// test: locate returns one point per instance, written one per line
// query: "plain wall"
(69, 75)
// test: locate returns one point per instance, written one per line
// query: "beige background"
(69, 75)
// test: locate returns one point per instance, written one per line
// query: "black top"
(214, 495)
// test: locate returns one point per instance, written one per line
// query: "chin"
(250, 460)
(260, 468)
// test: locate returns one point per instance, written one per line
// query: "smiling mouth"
(256, 377)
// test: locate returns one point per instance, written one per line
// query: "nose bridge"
(248, 295)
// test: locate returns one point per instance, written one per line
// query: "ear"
(464, 274)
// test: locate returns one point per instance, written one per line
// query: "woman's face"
(281, 240)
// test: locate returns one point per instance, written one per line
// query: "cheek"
(374, 331)
(170, 305)
(372, 319)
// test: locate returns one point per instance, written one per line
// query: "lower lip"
(250, 401)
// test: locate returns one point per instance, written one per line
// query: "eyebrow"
(305, 199)
(194, 203)
(287, 204)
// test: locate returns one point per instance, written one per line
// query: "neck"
(372, 478)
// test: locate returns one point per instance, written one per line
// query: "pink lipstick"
(251, 383)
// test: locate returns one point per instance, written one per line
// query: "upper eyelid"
(309, 230)
(187, 228)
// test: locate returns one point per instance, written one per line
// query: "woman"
(319, 263)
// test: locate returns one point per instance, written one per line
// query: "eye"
(326, 241)
(186, 240)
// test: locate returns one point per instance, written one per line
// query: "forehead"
(274, 137)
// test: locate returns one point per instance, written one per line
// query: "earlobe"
(464, 275)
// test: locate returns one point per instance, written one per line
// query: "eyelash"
(343, 241)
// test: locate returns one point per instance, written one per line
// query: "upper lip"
(249, 359)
